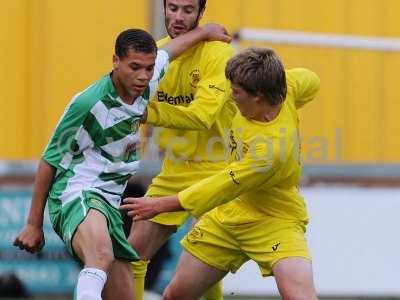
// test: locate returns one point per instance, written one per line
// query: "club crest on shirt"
(194, 77)
(129, 151)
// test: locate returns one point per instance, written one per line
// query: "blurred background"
(50, 49)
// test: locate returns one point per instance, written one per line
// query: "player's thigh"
(212, 243)
(92, 242)
(192, 279)
(120, 281)
(147, 237)
(294, 278)
(270, 240)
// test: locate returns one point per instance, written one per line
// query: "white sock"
(90, 284)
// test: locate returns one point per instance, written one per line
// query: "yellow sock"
(139, 269)
(215, 292)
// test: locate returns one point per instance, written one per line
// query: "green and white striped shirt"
(93, 146)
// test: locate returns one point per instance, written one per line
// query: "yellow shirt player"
(192, 102)
(196, 86)
(260, 214)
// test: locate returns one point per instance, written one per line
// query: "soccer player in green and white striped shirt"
(90, 157)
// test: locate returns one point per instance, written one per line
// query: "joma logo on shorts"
(275, 247)
(174, 100)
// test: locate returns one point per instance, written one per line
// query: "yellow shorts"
(175, 177)
(228, 246)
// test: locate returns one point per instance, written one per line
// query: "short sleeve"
(67, 140)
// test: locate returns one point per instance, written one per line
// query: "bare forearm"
(181, 43)
(169, 204)
(146, 208)
(43, 181)
(208, 32)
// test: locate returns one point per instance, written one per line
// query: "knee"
(102, 254)
(299, 292)
(299, 296)
(172, 293)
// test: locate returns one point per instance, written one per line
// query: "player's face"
(181, 16)
(134, 72)
(245, 102)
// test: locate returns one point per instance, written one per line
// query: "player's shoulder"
(96, 92)
(297, 76)
(217, 47)
(161, 42)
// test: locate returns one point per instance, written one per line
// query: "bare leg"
(120, 282)
(294, 278)
(92, 243)
(147, 237)
(192, 279)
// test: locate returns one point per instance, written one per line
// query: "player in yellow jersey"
(195, 84)
(260, 214)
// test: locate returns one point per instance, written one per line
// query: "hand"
(31, 238)
(140, 208)
(216, 32)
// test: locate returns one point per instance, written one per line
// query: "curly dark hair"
(136, 39)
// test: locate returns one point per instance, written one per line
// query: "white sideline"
(321, 39)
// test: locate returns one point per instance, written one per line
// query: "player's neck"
(121, 91)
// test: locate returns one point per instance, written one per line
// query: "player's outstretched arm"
(208, 32)
(144, 208)
(212, 93)
(31, 237)
(255, 169)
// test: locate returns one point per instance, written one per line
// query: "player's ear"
(258, 97)
(115, 61)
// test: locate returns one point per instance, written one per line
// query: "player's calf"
(189, 285)
(172, 293)
(140, 233)
(120, 282)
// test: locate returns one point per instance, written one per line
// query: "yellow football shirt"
(192, 101)
(266, 169)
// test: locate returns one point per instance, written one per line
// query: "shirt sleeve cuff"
(184, 200)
